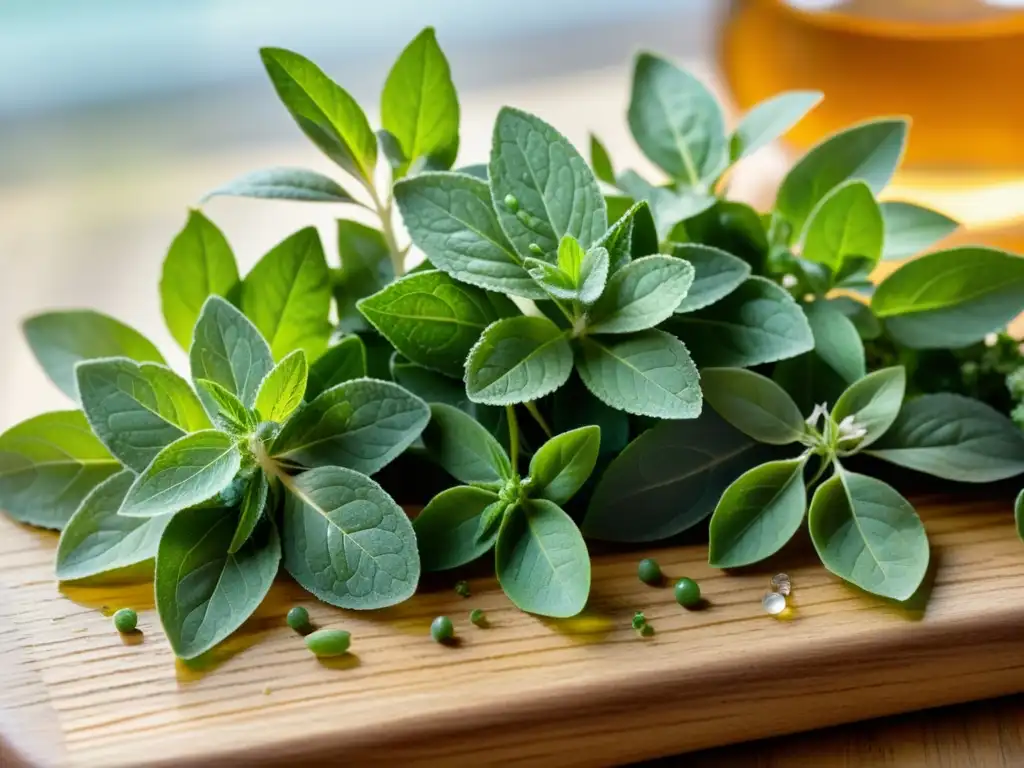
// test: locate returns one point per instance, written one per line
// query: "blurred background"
(117, 115)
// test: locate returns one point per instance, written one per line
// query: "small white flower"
(851, 430)
(788, 281)
(991, 339)
(820, 410)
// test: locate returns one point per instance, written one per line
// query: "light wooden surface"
(586, 691)
(982, 734)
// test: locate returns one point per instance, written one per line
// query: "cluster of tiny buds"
(846, 430)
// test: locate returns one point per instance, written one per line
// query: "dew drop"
(774, 603)
(512, 203)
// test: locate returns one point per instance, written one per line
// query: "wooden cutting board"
(586, 691)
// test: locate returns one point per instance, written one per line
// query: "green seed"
(639, 620)
(687, 592)
(328, 642)
(646, 630)
(298, 619)
(478, 617)
(512, 203)
(649, 571)
(535, 248)
(462, 588)
(442, 630)
(125, 620)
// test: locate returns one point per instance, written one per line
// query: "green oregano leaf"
(362, 425)
(366, 267)
(199, 264)
(254, 502)
(285, 184)
(868, 534)
(347, 542)
(517, 360)
(451, 219)
(836, 340)
(716, 274)
(955, 438)
(758, 514)
(137, 409)
(910, 229)
(846, 224)
(189, 471)
(282, 390)
(667, 206)
(563, 464)
(48, 465)
(230, 413)
(542, 561)
(1018, 515)
(464, 448)
(99, 542)
(287, 295)
(419, 106)
(769, 120)
(649, 373)
(203, 594)
(641, 295)
(433, 320)
(951, 298)
(343, 362)
(447, 530)
(554, 190)
(757, 323)
(324, 111)
(860, 314)
(754, 404)
(229, 351)
(59, 340)
(669, 479)
(873, 402)
(677, 121)
(631, 236)
(600, 161)
(870, 151)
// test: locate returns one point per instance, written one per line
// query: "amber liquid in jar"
(955, 67)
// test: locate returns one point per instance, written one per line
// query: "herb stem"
(531, 406)
(513, 437)
(822, 466)
(385, 211)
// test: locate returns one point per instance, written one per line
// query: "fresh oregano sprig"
(541, 559)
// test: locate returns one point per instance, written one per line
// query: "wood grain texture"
(586, 691)
(982, 734)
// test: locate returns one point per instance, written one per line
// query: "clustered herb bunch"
(598, 303)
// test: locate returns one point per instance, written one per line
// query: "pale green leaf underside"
(285, 184)
(754, 404)
(910, 229)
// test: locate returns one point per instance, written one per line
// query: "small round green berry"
(649, 571)
(639, 620)
(325, 643)
(442, 629)
(478, 617)
(646, 630)
(298, 619)
(536, 249)
(512, 203)
(462, 588)
(125, 620)
(687, 592)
